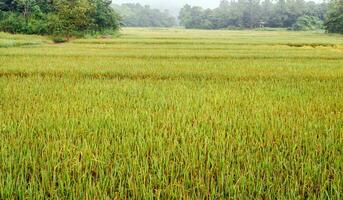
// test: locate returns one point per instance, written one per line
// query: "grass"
(7, 40)
(171, 114)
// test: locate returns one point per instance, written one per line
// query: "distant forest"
(295, 14)
(242, 14)
(136, 15)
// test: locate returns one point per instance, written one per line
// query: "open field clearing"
(171, 114)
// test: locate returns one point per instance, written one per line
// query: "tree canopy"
(58, 17)
(334, 21)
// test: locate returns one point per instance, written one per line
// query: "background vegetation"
(136, 15)
(291, 14)
(81, 17)
(254, 13)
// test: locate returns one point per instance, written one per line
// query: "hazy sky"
(172, 4)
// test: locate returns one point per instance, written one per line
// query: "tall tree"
(334, 23)
(72, 17)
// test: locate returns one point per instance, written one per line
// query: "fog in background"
(173, 6)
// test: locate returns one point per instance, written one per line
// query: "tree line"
(253, 14)
(79, 17)
(292, 14)
(58, 17)
(136, 15)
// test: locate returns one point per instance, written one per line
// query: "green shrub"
(13, 23)
(37, 26)
(59, 39)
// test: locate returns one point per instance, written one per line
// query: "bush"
(59, 39)
(13, 23)
(37, 26)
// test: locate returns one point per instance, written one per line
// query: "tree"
(104, 15)
(196, 17)
(71, 18)
(267, 8)
(334, 22)
(251, 13)
(185, 16)
(58, 17)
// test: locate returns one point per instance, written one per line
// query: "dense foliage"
(251, 14)
(59, 17)
(334, 23)
(136, 15)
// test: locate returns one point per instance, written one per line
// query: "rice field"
(172, 114)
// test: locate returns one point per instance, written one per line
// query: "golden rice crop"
(171, 114)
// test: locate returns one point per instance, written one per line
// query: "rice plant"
(173, 114)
